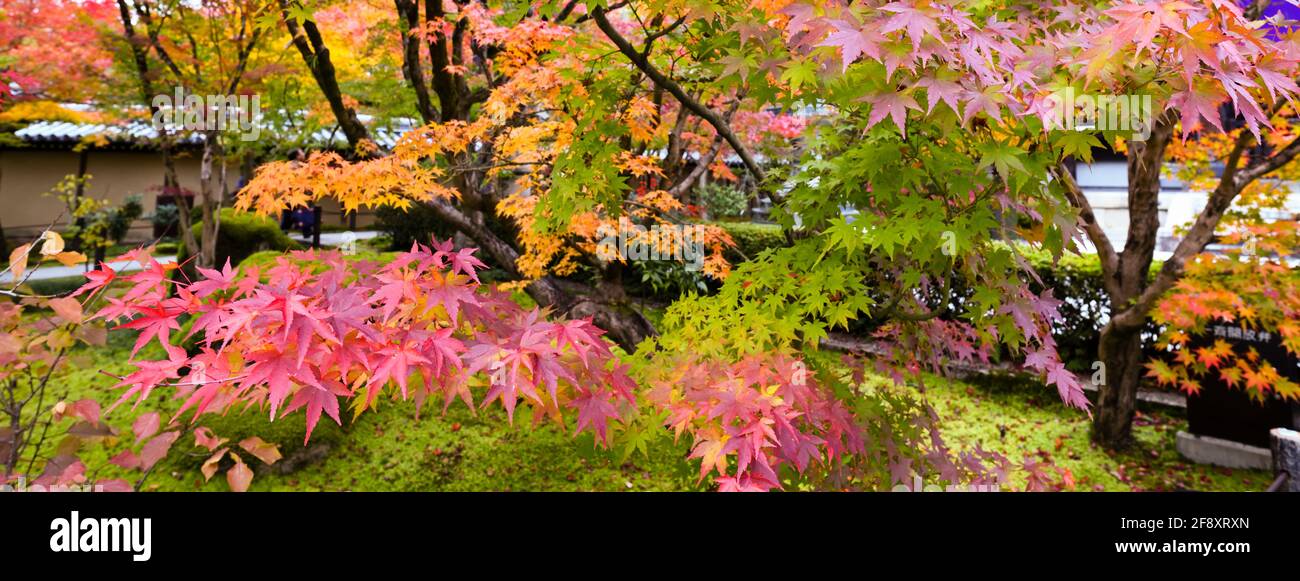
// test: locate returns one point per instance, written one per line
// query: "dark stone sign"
(1227, 412)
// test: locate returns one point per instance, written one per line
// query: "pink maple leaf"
(853, 42)
(895, 105)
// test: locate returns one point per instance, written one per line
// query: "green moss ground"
(1016, 418)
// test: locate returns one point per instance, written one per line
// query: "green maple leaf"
(1002, 157)
(800, 72)
(1076, 143)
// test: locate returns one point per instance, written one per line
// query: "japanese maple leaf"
(799, 15)
(736, 402)
(149, 280)
(450, 295)
(1201, 102)
(1067, 385)
(745, 483)
(213, 280)
(395, 361)
(97, 278)
(208, 320)
(464, 262)
(1275, 79)
(549, 370)
(443, 350)
(397, 285)
(594, 412)
(799, 448)
(895, 105)
(307, 326)
(1023, 315)
(349, 311)
(152, 322)
(149, 374)
(711, 455)
(853, 42)
(504, 364)
(238, 317)
(916, 21)
(582, 336)
(277, 369)
(1140, 23)
(937, 89)
(288, 303)
(317, 400)
(1200, 45)
(619, 379)
(1039, 359)
(985, 101)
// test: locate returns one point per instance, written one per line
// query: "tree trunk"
(211, 188)
(1120, 350)
(184, 222)
(1120, 347)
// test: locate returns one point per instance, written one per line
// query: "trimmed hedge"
(417, 223)
(266, 259)
(241, 235)
(751, 238)
(1085, 308)
(1076, 281)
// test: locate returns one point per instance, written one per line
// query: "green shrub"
(666, 278)
(752, 238)
(415, 224)
(165, 217)
(242, 234)
(55, 286)
(723, 200)
(1076, 281)
(266, 259)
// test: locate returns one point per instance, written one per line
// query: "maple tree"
(203, 49)
(53, 49)
(548, 125)
(931, 182)
(928, 179)
(535, 192)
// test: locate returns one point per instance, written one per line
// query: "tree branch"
(1231, 183)
(709, 115)
(409, 22)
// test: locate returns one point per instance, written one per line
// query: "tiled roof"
(65, 132)
(140, 133)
